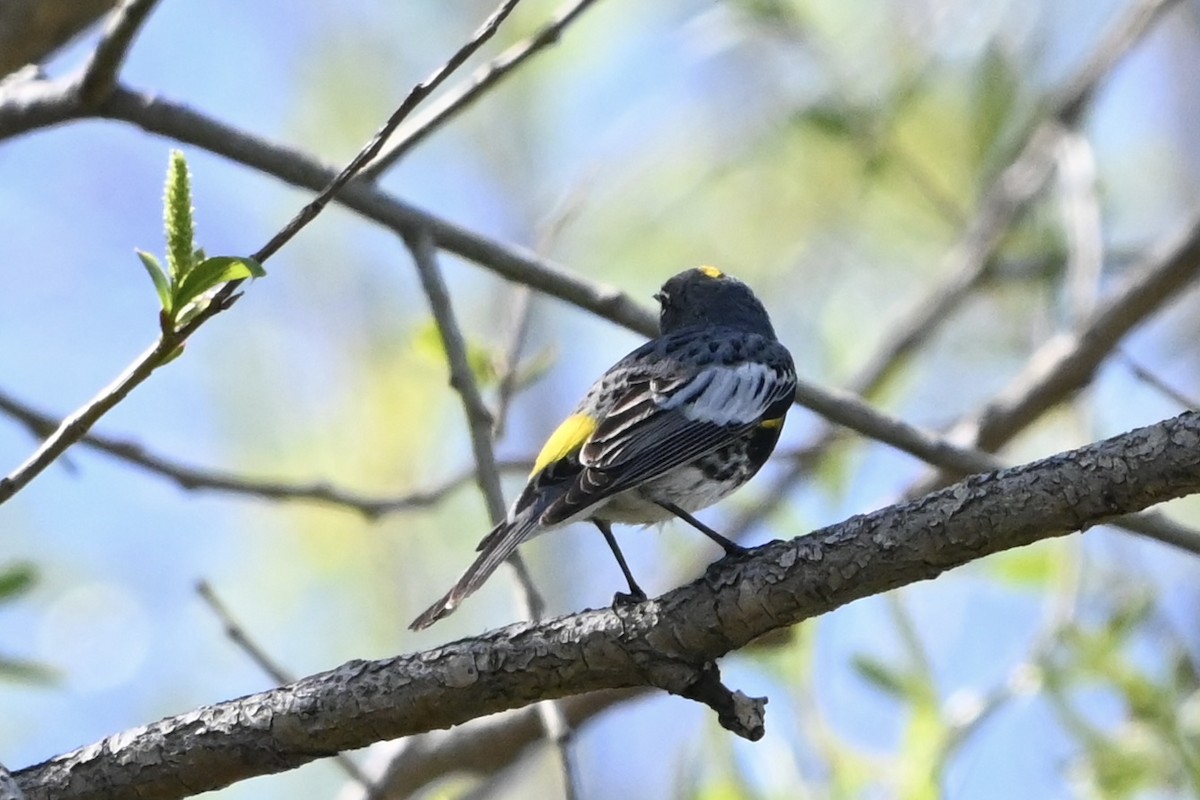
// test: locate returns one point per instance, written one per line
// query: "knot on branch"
(736, 712)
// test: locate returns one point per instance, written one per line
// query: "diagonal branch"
(1066, 364)
(480, 424)
(464, 95)
(108, 58)
(418, 93)
(99, 76)
(193, 478)
(662, 643)
(968, 263)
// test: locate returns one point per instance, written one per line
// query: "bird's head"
(707, 296)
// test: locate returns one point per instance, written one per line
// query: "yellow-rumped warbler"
(672, 428)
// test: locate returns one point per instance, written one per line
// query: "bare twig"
(419, 92)
(237, 634)
(968, 264)
(479, 418)
(75, 426)
(958, 460)
(99, 77)
(522, 307)
(461, 97)
(1009, 196)
(479, 422)
(480, 747)
(1149, 378)
(1066, 363)
(192, 478)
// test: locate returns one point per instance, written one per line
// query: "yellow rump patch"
(772, 424)
(566, 439)
(711, 272)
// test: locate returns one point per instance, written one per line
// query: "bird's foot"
(622, 599)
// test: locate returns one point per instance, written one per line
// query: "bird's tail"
(498, 545)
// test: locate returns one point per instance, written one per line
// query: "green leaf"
(995, 93)
(16, 579)
(177, 213)
(1032, 567)
(162, 282)
(19, 669)
(881, 676)
(480, 359)
(213, 272)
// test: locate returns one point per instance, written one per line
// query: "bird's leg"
(732, 548)
(636, 595)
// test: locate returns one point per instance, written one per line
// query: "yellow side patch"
(566, 439)
(772, 424)
(711, 272)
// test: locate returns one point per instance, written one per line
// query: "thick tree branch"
(663, 643)
(8, 786)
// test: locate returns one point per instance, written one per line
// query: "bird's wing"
(664, 421)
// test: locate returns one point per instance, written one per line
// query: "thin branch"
(242, 640)
(1009, 196)
(99, 76)
(969, 262)
(480, 423)
(462, 379)
(47, 103)
(75, 426)
(666, 643)
(419, 92)
(1146, 376)
(461, 97)
(237, 634)
(954, 459)
(1066, 364)
(192, 478)
(480, 747)
(522, 308)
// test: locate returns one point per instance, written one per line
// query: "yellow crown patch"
(711, 272)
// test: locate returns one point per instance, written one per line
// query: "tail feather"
(494, 549)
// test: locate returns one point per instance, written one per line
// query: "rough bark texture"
(669, 643)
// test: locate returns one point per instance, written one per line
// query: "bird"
(670, 429)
